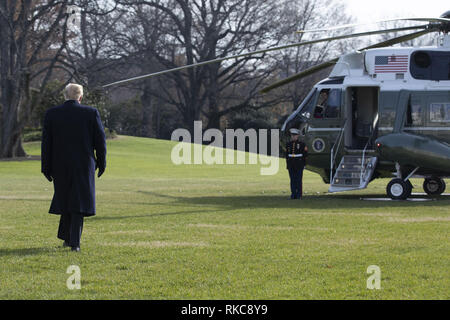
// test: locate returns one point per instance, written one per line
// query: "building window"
(440, 112)
(414, 113)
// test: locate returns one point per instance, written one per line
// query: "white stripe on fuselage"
(428, 129)
(417, 129)
(324, 129)
(386, 129)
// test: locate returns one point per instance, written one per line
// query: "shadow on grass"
(24, 251)
(226, 203)
(24, 199)
(325, 201)
(154, 215)
(26, 158)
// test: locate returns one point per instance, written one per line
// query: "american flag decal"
(391, 64)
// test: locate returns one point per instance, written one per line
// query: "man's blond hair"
(73, 91)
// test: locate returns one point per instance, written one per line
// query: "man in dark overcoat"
(71, 134)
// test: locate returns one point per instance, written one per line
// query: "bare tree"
(92, 56)
(304, 15)
(170, 33)
(200, 30)
(138, 33)
(28, 33)
(34, 49)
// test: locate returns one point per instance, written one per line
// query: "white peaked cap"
(294, 131)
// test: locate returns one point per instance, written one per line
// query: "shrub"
(32, 135)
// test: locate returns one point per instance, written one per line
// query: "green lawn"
(218, 232)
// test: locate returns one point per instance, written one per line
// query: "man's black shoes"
(66, 244)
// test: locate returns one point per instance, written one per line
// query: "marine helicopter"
(383, 111)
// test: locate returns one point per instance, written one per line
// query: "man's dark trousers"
(70, 228)
(296, 176)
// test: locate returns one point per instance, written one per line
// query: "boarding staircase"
(354, 172)
(355, 169)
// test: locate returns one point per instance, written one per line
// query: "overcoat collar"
(72, 102)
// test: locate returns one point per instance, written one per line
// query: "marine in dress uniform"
(71, 134)
(296, 154)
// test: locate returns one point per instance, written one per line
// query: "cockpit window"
(304, 109)
(334, 104)
(308, 106)
(328, 104)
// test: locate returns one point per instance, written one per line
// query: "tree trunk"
(147, 111)
(11, 140)
(10, 128)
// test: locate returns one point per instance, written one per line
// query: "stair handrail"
(363, 160)
(363, 167)
(333, 156)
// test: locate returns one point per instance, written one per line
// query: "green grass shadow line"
(25, 251)
(324, 201)
(155, 215)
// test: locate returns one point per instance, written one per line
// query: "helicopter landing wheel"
(398, 189)
(434, 186)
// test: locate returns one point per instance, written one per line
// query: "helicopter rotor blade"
(345, 26)
(300, 75)
(391, 42)
(330, 63)
(353, 35)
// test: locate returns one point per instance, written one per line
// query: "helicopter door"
(362, 117)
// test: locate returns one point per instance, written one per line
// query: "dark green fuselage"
(408, 127)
